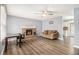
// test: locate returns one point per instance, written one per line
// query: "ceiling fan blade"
(37, 13)
(49, 11)
(50, 14)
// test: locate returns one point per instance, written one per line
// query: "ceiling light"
(44, 15)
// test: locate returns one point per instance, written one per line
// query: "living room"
(41, 25)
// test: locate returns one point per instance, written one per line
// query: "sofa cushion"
(45, 32)
(50, 32)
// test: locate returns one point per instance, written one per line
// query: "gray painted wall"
(76, 14)
(14, 24)
(57, 25)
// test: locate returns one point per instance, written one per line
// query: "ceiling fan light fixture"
(44, 15)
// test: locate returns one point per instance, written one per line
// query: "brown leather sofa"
(51, 34)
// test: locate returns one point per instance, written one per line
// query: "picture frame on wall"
(51, 22)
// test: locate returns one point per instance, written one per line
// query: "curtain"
(3, 22)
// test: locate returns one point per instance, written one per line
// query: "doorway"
(68, 28)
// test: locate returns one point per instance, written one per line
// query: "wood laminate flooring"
(41, 46)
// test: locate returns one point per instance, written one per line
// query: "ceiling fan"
(45, 12)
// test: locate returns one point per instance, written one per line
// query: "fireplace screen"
(29, 32)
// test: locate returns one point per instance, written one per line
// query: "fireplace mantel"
(30, 26)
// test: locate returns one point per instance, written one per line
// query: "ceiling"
(28, 10)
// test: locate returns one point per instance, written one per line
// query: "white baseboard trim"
(76, 46)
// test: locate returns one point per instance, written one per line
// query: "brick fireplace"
(29, 31)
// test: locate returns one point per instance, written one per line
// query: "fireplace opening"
(29, 32)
